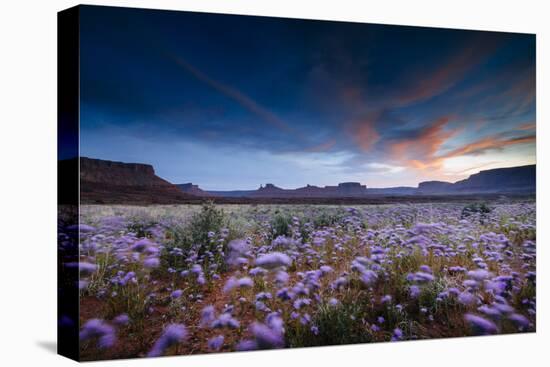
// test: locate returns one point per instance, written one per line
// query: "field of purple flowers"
(167, 280)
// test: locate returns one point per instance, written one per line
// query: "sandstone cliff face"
(520, 179)
(118, 173)
(434, 186)
(111, 182)
(192, 189)
(345, 189)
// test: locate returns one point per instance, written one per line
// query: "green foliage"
(481, 210)
(337, 325)
(326, 219)
(141, 227)
(130, 299)
(194, 233)
(280, 224)
(209, 219)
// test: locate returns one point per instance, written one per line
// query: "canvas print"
(236, 183)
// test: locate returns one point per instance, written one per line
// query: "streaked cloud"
(237, 96)
(420, 150)
(333, 101)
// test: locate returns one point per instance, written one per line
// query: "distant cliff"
(513, 179)
(111, 182)
(192, 189)
(501, 180)
(345, 189)
(520, 179)
(118, 173)
(434, 187)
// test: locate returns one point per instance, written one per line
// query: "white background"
(28, 182)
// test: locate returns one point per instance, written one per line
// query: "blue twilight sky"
(230, 102)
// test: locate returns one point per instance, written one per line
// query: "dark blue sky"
(230, 102)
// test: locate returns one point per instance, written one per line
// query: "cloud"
(323, 147)
(363, 132)
(448, 74)
(511, 92)
(383, 168)
(474, 169)
(477, 147)
(491, 142)
(420, 150)
(527, 126)
(237, 96)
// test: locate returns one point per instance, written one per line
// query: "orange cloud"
(420, 152)
(527, 126)
(488, 143)
(364, 133)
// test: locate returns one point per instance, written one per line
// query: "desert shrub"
(280, 224)
(480, 210)
(326, 219)
(141, 227)
(199, 235)
(429, 294)
(209, 219)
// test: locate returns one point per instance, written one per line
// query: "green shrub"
(480, 210)
(326, 219)
(193, 234)
(141, 227)
(209, 219)
(280, 225)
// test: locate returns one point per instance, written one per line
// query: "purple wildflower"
(245, 282)
(285, 294)
(425, 269)
(208, 315)
(246, 345)
(236, 252)
(216, 342)
(176, 294)
(519, 320)
(141, 245)
(97, 328)
(414, 291)
(173, 334)
(369, 277)
(257, 271)
(151, 262)
(479, 274)
(397, 334)
(480, 325)
(225, 320)
(266, 337)
(301, 302)
(467, 298)
(340, 283)
(121, 319)
(273, 260)
(230, 284)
